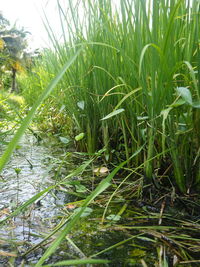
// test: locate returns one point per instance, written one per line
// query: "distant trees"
(13, 45)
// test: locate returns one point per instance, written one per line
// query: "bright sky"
(27, 14)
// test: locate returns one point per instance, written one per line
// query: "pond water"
(126, 242)
(29, 171)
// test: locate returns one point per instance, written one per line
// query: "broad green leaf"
(114, 113)
(178, 103)
(185, 94)
(81, 104)
(79, 136)
(64, 140)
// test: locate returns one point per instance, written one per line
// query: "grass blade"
(100, 188)
(78, 262)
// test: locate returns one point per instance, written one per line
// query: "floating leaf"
(79, 136)
(81, 104)
(17, 170)
(114, 113)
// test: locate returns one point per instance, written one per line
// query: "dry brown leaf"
(70, 206)
(5, 211)
(7, 254)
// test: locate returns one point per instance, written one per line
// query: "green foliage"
(78, 262)
(136, 59)
(25, 123)
(10, 104)
(12, 50)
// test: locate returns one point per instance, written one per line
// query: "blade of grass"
(78, 262)
(100, 188)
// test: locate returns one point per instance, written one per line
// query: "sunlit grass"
(135, 57)
(133, 90)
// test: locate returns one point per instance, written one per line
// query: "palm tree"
(14, 44)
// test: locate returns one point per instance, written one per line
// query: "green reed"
(136, 54)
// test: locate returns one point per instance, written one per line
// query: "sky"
(28, 14)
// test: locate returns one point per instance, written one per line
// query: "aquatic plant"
(135, 83)
(133, 91)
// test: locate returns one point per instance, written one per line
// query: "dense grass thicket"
(121, 85)
(135, 83)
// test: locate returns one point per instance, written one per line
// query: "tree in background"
(13, 45)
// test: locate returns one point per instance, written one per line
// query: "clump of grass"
(136, 82)
(9, 104)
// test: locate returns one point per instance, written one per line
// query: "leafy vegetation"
(13, 46)
(123, 89)
(135, 83)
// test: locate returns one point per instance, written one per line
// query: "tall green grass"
(136, 82)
